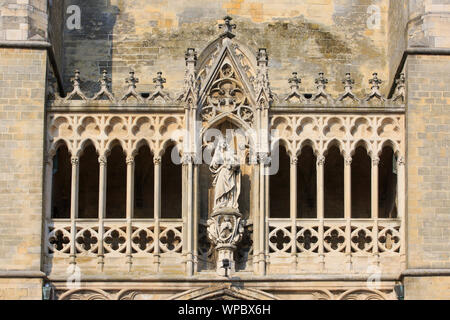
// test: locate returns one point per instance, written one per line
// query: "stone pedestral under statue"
(225, 227)
(225, 231)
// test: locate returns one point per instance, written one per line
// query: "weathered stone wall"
(428, 179)
(429, 23)
(23, 20)
(428, 161)
(22, 91)
(20, 289)
(427, 288)
(307, 36)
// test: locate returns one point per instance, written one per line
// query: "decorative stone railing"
(327, 246)
(335, 244)
(129, 240)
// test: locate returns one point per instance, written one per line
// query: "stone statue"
(226, 226)
(227, 177)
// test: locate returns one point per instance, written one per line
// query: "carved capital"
(294, 160)
(348, 161)
(74, 161)
(401, 161)
(186, 159)
(130, 160)
(265, 159)
(320, 160)
(156, 160)
(102, 160)
(375, 161)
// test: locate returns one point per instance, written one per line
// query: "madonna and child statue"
(225, 227)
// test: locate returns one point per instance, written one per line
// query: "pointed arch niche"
(227, 109)
(235, 136)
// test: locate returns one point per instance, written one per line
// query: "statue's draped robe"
(227, 180)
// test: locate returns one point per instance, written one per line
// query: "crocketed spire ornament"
(348, 83)
(76, 82)
(104, 89)
(321, 83)
(159, 85)
(191, 82)
(294, 83)
(375, 93)
(228, 26)
(131, 91)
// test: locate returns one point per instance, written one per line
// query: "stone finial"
(191, 82)
(190, 56)
(261, 82)
(375, 83)
(132, 80)
(321, 83)
(400, 92)
(159, 84)
(131, 91)
(159, 80)
(262, 56)
(76, 82)
(228, 26)
(348, 83)
(294, 82)
(104, 81)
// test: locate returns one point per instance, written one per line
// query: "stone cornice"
(21, 274)
(426, 273)
(237, 278)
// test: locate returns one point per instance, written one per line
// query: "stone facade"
(358, 89)
(22, 141)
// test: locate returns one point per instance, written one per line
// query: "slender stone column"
(348, 210)
(266, 214)
(187, 124)
(374, 192)
(190, 214)
(256, 216)
(320, 207)
(401, 208)
(74, 207)
(262, 222)
(196, 216)
(48, 197)
(293, 206)
(258, 128)
(157, 209)
(130, 208)
(48, 186)
(101, 210)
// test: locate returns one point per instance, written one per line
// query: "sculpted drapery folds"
(227, 177)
